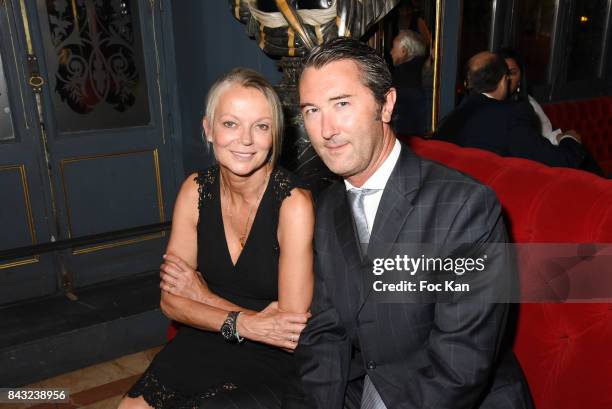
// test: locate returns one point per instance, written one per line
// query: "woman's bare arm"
(183, 237)
(211, 312)
(295, 269)
(206, 310)
(183, 243)
(295, 277)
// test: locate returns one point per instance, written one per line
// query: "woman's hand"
(178, 278)
(273, 327)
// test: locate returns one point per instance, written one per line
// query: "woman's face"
(242, 130)
(515, 74)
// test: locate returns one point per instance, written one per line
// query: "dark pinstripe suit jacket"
(436, 355)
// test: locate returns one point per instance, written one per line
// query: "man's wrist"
(566, 136)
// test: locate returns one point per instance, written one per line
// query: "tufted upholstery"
(592, 118)
(564, 349)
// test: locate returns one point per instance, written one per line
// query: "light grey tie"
(370, 399)
(356, 198)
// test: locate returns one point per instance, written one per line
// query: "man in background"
(412, 110)
(486, 119)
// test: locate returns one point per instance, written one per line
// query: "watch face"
(227, 332)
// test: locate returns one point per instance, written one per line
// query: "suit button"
(371, 365)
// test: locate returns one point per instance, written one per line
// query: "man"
(408, 55)
(411, 109)
(486, 119)
(406, 355)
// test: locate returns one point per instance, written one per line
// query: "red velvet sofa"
(592, 118)
(565, 350)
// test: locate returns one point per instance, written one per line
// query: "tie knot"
(357, 192)
(356, 198)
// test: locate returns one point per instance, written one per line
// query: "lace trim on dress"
(282, 183)
(160, 397)
(205, 180)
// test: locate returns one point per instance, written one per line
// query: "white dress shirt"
(377, 181)
(547, 130)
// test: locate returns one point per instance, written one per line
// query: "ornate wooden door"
(84, 139)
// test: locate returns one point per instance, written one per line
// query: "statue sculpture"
(288, 29)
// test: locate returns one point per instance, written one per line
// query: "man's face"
(398, 53)
(345, 124)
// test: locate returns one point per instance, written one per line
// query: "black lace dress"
(198, 368)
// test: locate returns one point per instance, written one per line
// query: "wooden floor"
(96, 387)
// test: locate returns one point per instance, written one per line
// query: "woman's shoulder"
(286, 183)
(205, 176)
(200, 183)
(295, 199)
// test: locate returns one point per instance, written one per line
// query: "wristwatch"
(229, 329)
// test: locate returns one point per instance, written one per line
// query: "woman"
(247, 226)
(518, 91)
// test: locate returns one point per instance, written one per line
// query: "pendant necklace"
(243, 238)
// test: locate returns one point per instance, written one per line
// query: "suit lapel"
(347, 239)
(345, 229)
(395, 206)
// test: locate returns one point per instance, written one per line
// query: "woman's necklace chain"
(242, 239)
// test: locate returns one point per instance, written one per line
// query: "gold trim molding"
(120, 243)
(435, 109)
(18, 263)
(158, 190)
(30, 218)
(26, 26)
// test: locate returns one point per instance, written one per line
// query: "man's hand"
(572, 133)
(178, 278)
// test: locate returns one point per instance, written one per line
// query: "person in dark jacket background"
(412, 110)
(486, 119)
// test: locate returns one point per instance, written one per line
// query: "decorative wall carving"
(94, 41)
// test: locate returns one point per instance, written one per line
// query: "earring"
(205, 138)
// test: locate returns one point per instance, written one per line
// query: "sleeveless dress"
(198, 368)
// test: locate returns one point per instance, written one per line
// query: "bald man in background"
(486, 119)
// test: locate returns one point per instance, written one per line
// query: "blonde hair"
(249, 79)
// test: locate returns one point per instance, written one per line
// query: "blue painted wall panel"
(208, 43)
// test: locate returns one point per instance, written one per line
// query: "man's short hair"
(374, 71)
(412, 42)
(484, 74)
